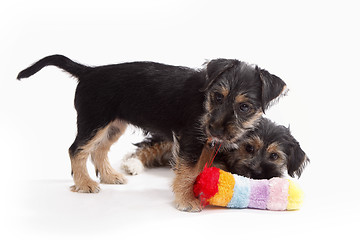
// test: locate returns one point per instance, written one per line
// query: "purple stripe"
(259, 194)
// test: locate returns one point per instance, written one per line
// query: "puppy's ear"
(214, 69)
(297, 158)
(272, 87)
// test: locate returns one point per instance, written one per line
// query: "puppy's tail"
(59, 61)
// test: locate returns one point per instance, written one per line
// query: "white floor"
(144, 208)
(45, 208)
(312, 45)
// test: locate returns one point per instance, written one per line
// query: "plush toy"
(219, 188)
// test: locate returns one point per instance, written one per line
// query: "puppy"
(267, 151)
(221, 101)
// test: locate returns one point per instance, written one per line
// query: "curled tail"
(59, 61)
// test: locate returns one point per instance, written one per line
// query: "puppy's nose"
(216, 131)
(255, 166)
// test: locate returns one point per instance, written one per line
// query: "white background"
(312, 45)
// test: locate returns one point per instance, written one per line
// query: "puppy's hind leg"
(79, 154)
(99, 155)
(149, 155)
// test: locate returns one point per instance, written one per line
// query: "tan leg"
(184, 181)
(82, 180)
(98, 147)
(99, 154)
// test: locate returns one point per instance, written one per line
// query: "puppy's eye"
(274, 156)
(244, 107)
(249, 148)
(218, 97)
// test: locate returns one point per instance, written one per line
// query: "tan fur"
(99, 156)
(158, 154)
(273, 147)
(185, 175)
(82, 180)
(98, 148)
(225, 91)
(257, 142)
(207, 104)
(250, 123)
(240, 98)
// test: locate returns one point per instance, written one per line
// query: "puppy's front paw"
(86, 187)
(133, 166)
(189, 206)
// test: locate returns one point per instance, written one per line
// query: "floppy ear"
(214, 69)
(272, 87)
(297, 159)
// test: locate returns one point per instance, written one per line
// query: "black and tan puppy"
(221, 101)
(267, 151)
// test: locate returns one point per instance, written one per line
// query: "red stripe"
(206, 184)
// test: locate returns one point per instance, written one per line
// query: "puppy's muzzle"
(217, 131)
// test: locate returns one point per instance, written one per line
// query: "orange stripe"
(226, 189)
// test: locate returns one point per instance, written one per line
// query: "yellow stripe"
(226, 189)
(296, 196)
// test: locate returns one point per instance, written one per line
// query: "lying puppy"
(221, 101)
(267, 151)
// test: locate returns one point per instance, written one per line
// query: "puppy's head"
(236, 96)
(265, 152)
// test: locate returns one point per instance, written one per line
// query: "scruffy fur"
(221, 102)
(267, 151)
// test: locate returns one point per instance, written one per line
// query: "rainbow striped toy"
(214, 186)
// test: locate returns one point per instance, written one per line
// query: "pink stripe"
(278, 198)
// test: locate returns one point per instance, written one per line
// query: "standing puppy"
(220, 102)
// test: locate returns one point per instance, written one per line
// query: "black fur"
(270, 82)
(63, 62)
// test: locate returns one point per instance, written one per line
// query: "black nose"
(255, 166)
(216, 131)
